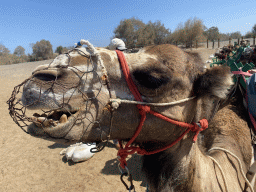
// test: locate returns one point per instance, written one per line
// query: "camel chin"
(38, 132)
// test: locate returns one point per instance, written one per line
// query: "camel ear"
(214, 82)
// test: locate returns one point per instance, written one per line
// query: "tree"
(4, 50)
(254, 29)
(70, 47)
(212, 33)
(161, 33)
(235, 35)
(19, 51)
(128, 31)
(249, 35)
(223, 36)
(179, 34)
(7, 58)
(42, 50)
(192, 30)
(146, 36)
(59, 50)
(135, 33)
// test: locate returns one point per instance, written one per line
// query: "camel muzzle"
(48, 103)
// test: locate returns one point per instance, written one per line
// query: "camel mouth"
(53, 119)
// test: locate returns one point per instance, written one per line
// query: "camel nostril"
(47, 75)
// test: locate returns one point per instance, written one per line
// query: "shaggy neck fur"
(168, 170)
(187, 167)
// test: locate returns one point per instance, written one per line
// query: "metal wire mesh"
(23, 117)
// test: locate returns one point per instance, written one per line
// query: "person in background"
(117, 44)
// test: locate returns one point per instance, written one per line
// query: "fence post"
(254, 40)
(176, 43)
(213, 44)
(242, 38)
(218, 43)
(238, 41)
(207, 43)
(229, 41)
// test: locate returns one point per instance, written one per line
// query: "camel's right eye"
(151, 79)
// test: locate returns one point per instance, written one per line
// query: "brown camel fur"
(162, 74)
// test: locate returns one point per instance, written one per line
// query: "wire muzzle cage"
(48, 87)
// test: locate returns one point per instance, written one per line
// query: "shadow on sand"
(134, 165)
(57, 145)
(111, 166)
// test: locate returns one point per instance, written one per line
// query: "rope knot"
(122, 155)
(202, 125)
(115, 103)
(143, 109)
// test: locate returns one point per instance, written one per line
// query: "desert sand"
(31, 164)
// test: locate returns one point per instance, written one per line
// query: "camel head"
(70, 98)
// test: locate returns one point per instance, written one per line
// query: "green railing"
(232, 62)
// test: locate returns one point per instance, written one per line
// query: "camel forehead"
(76, 57)
(174, 57)
(107, 55)
(83, 57)
(163, 49)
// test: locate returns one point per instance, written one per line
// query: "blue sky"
(65, 22)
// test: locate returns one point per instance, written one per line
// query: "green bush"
(42, 49)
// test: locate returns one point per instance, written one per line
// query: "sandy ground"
(30, 164)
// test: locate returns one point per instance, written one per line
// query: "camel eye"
(151, 79)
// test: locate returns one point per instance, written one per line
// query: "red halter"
(123, 152)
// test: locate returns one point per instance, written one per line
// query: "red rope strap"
(123, 152)
(241, 73)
